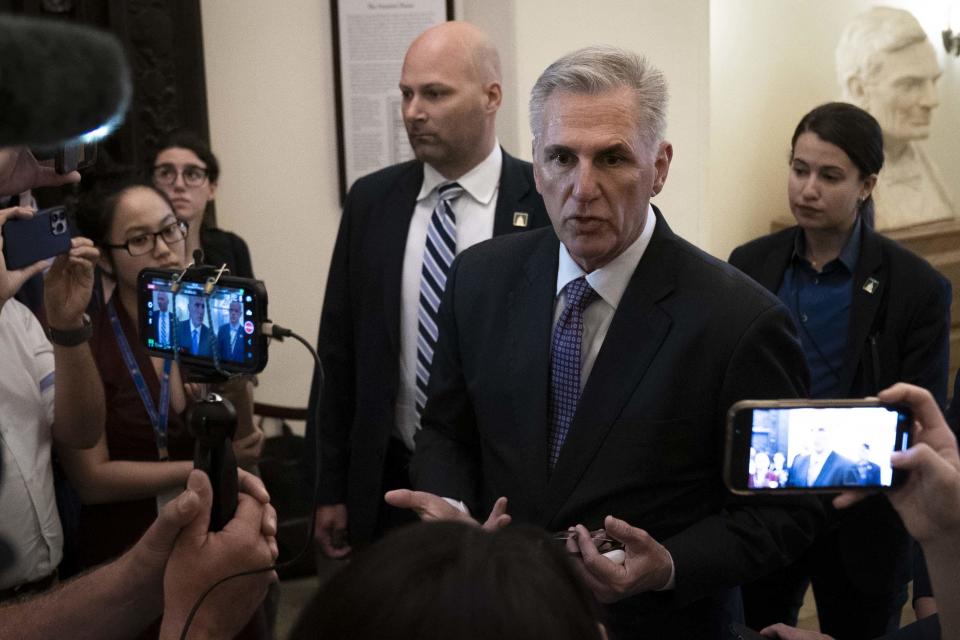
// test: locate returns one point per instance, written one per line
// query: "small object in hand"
(601, 541)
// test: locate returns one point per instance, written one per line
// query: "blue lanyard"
(158, 420)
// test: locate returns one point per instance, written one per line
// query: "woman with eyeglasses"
(145, 454)
(186, 170)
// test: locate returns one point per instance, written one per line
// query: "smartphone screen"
(826, 446)
(227, 322)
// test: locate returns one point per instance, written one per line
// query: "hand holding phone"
(68, 285)
(12, 278)
(28, 239)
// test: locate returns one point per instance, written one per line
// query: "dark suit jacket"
(234, 354)
(185, 339)
(953, 411)
(155, 317)
(359, 341)
(867, 473)
(690, 337)
(899, 332)
(836, 470)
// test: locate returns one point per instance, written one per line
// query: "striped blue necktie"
(438, 254)
(565, 364)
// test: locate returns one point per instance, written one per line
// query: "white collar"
(610, 280)
(480, 182)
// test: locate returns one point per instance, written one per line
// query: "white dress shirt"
(474, 211)
(609, 281)
(28, 508)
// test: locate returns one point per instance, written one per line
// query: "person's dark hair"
(97, 208)
(855, 132)
(451, 580)
(185, 139)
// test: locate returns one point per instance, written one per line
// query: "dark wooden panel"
(164, 44)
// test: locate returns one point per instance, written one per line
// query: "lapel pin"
(520, 218)
(870, 286)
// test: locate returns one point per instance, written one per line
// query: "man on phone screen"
(192, 334)
(160, 317)
(230, 335)
(822, 467)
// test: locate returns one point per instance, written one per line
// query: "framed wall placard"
(370, 38)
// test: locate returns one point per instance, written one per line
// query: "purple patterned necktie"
(565, 364)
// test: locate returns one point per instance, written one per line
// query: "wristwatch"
(71, 337)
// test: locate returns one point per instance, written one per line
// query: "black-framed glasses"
(145, 242)
(166, 174)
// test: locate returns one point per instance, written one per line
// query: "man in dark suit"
(161, 319)
(230, 335)
(192, 334)
(589, 377)
(370, 326)
(865, 472)
(823, 467)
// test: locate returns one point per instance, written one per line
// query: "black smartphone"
(804, 446)
(186, 318)
(28, 240)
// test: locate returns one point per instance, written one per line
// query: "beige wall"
(741, 73)
(771, 62)
(270, 95)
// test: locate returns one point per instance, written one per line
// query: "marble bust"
(887, 66)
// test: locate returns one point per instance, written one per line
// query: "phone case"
(28, 240)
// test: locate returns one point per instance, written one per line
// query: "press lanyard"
(158, 420)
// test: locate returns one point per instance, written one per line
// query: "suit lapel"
(392, 229)
(636, 334)
(513, 188)
(869, 287)
(775, 263)
(529, 322)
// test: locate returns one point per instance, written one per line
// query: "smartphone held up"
(814, 446)
(28, 240)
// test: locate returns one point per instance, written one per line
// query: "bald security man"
(397, 238)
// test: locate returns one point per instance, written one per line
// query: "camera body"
(213, 324)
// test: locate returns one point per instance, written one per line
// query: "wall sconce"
(951, 42)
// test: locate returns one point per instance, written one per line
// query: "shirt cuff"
(672, 582)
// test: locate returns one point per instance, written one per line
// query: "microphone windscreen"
(59, 81)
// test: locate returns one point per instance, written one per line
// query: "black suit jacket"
(690, 337)
(836, 470)
(953, 411)
(899, 332)
(185, 339)
(155, 317)
(228, 351)
(359, 341)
